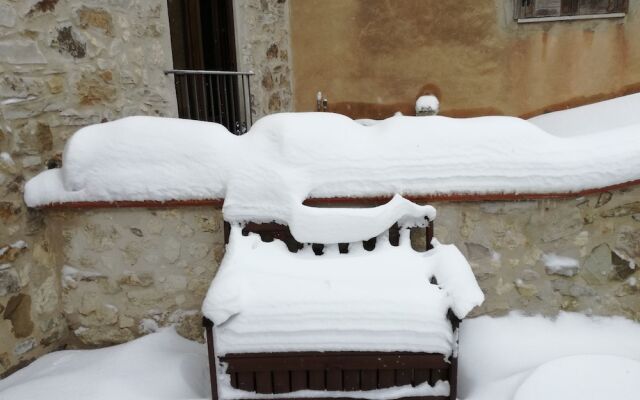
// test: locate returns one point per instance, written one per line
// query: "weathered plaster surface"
(371, 58)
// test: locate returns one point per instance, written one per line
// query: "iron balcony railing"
(217, 96)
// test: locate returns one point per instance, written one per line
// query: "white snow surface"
(585, 381)
(266, 299)
(620, 113)
(427, 103)
(560, 264)
(500, 358)
(286, 158)
(161, 366)
(497, 355)
(344, 225)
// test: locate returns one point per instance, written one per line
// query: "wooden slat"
(234, 379)
(362, 398)
(297, 361)
(299, 380)
(386, 378)
(263, 382)
(404, 376)
(429, 235)
(438, 374)
(453, 378)
(318, 249)
(317, 380)
(394, 234)
(420, 375)
(246, 381)
(281, 383)
(213, 375)
(351, 379)
(370, 244)
(334, 379)
(368, 379)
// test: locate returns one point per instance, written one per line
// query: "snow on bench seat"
(266, 299)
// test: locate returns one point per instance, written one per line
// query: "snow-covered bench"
(374, 320)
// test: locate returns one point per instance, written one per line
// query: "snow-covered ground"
(573, 357)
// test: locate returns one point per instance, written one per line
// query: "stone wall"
(63, 64)
(127, 271)
(124, 272)
(262, 38)
(510, 243)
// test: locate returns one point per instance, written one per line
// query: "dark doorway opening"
(208, 86)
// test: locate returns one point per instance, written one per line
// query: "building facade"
(103, 276)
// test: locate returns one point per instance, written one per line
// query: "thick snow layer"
(584, 380)
(161, 366)
(285, 158)
(510, 348)
(614, 114)
(344, 225)
(265, 298)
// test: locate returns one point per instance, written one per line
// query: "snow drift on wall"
(267, 173)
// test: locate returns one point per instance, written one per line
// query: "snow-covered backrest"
(274, 231)
(253, 270)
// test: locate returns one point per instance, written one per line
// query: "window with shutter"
(552, 10)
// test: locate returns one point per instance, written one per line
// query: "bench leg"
(453, 369)
(208, 326)
(453, 378)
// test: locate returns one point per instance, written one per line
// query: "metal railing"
(217, 96)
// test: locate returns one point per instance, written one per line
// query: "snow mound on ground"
(606, 115)
(286, 158)
(267, 299)
(497, 354)
(585, 377)
(160, 366)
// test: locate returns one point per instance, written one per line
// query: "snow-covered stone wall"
(126, 271)
(580, 254)
(63, 64)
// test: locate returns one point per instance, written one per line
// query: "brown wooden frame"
(526, 9)
(274, 373)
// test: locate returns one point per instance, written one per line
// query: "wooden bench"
(276, 373)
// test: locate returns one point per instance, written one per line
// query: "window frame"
(569, 10)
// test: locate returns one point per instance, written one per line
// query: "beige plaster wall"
(374, 57)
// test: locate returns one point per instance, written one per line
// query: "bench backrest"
(270, 231)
